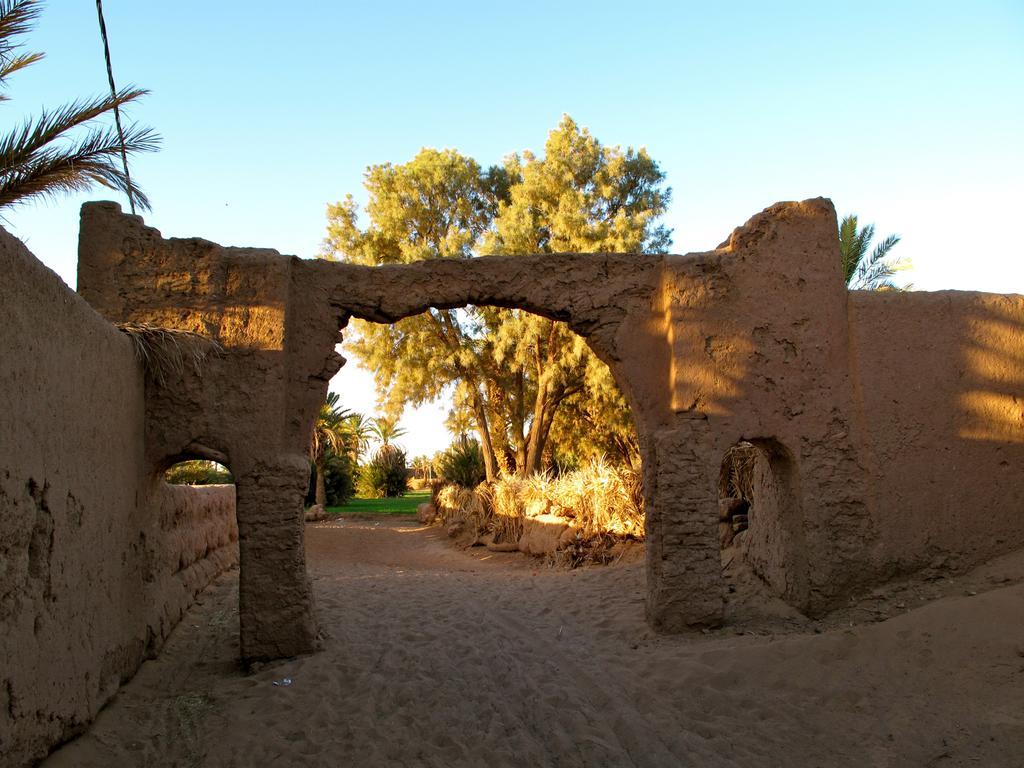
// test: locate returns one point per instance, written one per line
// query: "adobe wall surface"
(196, 540)
(97, 560)
(940, 389)
(757, 340)
(757, 332)
(236, 409)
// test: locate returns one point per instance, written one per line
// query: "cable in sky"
(117, 111)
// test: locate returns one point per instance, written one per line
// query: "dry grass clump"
(600, 499)
(604, 504)
(508, 510)
(602, 549)
(607, 501)
(735, 479)
(164, 352)
(466, 506)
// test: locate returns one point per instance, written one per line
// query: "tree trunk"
(321, 484)
(544, 410)
(480, 416)
(521, 458)
(538, 432)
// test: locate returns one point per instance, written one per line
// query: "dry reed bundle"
(164, 352)
(539, 497)
(470, 507)
(736, 477)
(634, 484)
(600, 499)
(507, 505)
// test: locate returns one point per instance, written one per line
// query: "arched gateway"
(749, 341)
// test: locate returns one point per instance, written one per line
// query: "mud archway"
(702, 346)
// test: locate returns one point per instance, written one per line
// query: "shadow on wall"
(992, 400)
(939, 386)
(708, 362)
(233, 295)
(710, 384)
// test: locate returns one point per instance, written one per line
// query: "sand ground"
(436, 657)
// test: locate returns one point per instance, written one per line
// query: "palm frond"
(883, 248)
(386, 429)
(873, 276)
(332, 431)
(848, 246)
(324, 439)
(875, 272)
(17, 18)
(861, 270)
(31, 163)
(848, 229)
(8, 66)
(863, 240)
(56, 170)
(20, 144)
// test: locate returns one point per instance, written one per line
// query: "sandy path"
(434, 657)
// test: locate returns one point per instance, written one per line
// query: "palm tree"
(360, 431)
(386, 430)
(330, 434)
(37, 159)
(459, 421)
(861, 270)
(424, 467)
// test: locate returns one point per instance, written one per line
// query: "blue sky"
(910, 114)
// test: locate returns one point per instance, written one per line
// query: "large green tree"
(514, 372)
(581, 196)
(438, 205)
(62, 150)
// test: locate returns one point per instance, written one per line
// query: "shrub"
(599, 499)
(463, 464)
(604, 504)
(339, 478)
(458, 504)
(507, 504)
(385, 475)
(198, 472)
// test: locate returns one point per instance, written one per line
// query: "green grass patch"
(399, 505)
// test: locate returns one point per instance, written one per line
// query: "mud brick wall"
(98, 557)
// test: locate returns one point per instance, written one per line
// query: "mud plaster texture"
(890, 424)
(99, 559)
